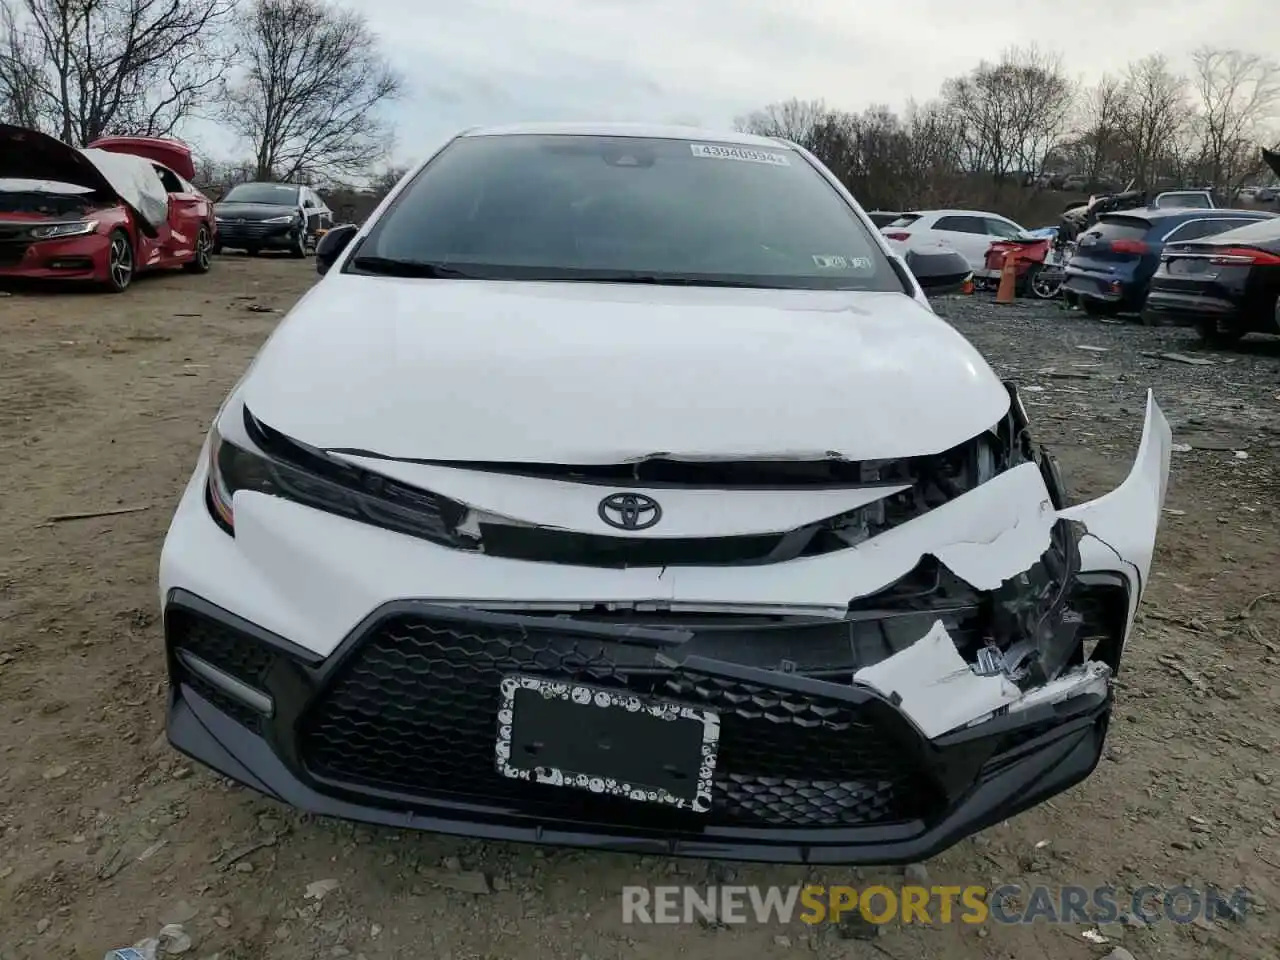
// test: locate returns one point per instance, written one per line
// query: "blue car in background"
(1115, 259)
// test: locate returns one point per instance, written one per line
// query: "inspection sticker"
(835, 262)
(715, 151)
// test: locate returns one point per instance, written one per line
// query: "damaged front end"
(923, 664)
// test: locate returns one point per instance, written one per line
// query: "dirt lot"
(106, 834)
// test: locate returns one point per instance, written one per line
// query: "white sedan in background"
(970, 232)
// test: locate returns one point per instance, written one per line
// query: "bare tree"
(1239, 95)
(1103, 115)
(382, 182)
(21, 75)
(1043, 97)
(1157, 112)
(1010, 114)
(92, 67)
(309, 103)
(794, 120)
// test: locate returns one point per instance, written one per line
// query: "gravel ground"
(106, 834)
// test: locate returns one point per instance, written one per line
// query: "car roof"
(955, 213)
(1174, 213)
(647, 130)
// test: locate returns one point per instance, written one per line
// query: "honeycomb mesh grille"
(414, 711)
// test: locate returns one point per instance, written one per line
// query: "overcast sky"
(469, 62)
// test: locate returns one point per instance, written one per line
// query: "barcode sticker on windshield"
(715, 151)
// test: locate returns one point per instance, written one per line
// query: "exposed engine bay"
(46, 198)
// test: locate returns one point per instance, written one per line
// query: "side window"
(1195, 229)
(1000, 228)
(172, 184)
(1223, 225)
(961, 224)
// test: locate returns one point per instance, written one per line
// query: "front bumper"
(258, 236)
(991, 772)
(366, 705)
(1184, 309)
(73, 258)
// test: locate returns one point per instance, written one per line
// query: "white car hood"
(459, 370)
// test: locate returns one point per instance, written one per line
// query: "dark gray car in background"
(271, 216)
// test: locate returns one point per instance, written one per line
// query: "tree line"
(300, 81)
(1009, 124)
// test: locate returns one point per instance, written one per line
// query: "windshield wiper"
(670, 280)
(395, 267)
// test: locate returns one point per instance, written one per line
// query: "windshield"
(282, 194)
(1197, 200)
(566, 207)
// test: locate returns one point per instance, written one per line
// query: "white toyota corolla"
(617, 486)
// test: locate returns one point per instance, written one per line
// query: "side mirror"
(938, 270)
(331, 245)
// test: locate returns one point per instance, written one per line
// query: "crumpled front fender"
(935, 686)
(1123, 523)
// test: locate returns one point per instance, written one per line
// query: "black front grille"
(413, 711)
(251, 231)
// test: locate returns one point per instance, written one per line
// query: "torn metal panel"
(933, 685)
(939, 691)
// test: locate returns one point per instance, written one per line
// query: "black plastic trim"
(985, 780)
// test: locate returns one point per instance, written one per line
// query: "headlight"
(289, 219)
(262, 461)
(77, 229)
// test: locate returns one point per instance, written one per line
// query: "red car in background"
(1038, 264)
(103, 214)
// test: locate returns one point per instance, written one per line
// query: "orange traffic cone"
(967, 287)
(1008, 289)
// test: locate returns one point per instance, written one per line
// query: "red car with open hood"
(102, 214)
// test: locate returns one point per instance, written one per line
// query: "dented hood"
(459, 370)
(29, 154)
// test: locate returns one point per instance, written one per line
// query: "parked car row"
(1175, 259)
(125, 205)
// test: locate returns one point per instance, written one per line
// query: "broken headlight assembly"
(253, 457)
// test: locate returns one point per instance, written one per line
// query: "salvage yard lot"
(106, 834)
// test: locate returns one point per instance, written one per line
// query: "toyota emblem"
(630, 511)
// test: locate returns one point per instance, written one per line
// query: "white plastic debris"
(321, 888)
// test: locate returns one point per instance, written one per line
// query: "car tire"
(200, 257)
(299, 249)
(216, 249)
(121, 262)
(251, 251)
(1212, 335)
(1041, 289)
